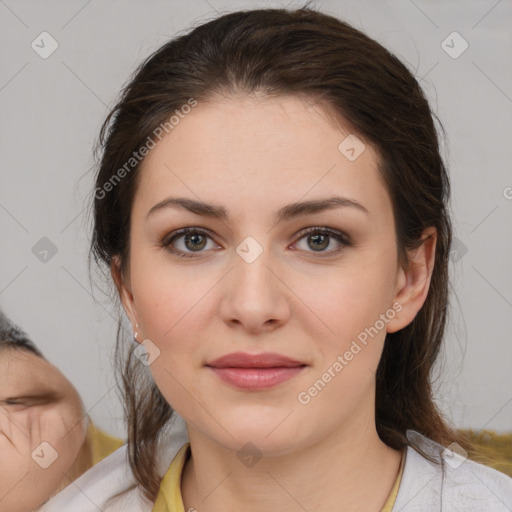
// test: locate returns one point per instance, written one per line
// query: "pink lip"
(259, 371)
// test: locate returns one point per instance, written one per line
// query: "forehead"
(22, 371)
(259, 150)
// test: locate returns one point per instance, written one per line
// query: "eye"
(15, 404)
(193, 240)
(23, 402)
(319, 238)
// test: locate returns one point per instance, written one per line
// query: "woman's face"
(41, 429)
(254, 281)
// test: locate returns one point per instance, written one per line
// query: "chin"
(269, 437)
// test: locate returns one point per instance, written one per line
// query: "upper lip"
(244, 360)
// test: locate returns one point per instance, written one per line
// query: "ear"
(413, 281)
(124, 290)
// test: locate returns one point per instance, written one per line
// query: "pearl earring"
(135, 334)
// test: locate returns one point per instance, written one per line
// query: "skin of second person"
(42, 431)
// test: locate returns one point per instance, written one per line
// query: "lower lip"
(257, 378)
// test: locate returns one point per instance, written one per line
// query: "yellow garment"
(491, 449)
(169, 496)
(101, 444)
(388, 506)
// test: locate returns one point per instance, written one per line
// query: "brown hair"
(355, 80)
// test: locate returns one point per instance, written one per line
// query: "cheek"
(62, 427)
(173, 311)
(165, 293)
(57, 426)
(350, 305)
(169, 317)
(349, 300)
(176, 309)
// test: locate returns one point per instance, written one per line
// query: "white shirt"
(454, 484)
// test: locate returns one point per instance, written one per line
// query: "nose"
(255, 296)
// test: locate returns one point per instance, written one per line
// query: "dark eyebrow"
(43, 396)
(286, 213)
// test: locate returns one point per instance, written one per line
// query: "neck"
(351, 467)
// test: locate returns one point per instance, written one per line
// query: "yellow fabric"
(388, 506)
(491, 449)
(169, 497)
(101, 443)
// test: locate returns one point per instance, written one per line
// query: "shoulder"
(109, 486)
(449, 482)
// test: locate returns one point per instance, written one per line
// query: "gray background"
(52, 110)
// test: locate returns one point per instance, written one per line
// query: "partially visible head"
(298, 68)
(11, 336)
(38, 405)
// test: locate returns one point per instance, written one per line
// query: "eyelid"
(14, 405)
(10, 401)
(31, 400)
(325, 229)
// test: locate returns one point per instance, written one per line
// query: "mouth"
(255, 371)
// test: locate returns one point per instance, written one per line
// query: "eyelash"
(317, 230)
(12, 401)
(15, 403)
